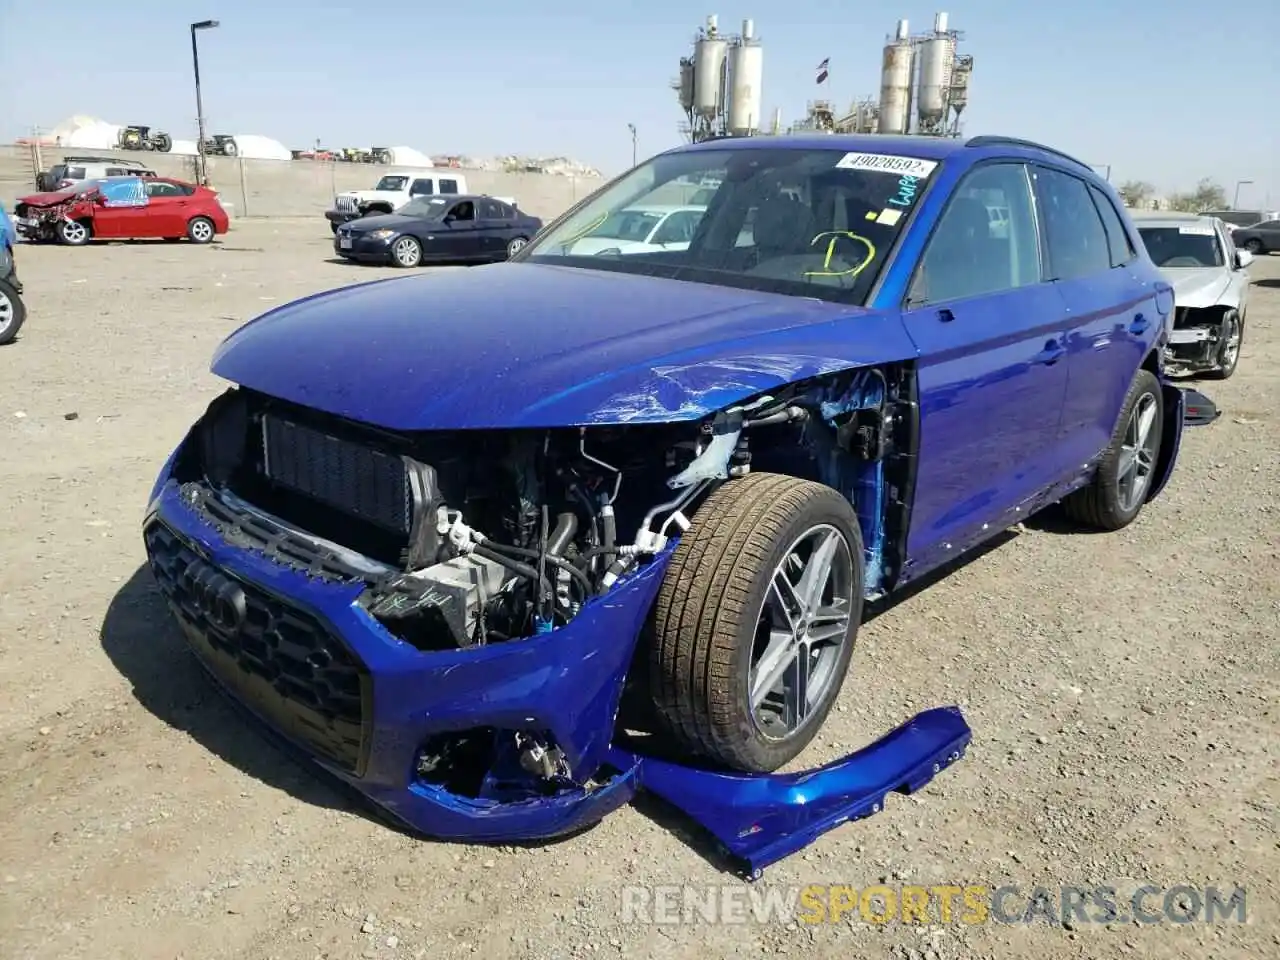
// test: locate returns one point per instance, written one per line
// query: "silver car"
(1211, 290)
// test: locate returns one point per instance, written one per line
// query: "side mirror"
(1243, 259)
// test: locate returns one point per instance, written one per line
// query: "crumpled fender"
(761, 818)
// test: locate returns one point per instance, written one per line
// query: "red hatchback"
(118, 208)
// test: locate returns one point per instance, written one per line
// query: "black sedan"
(472, 229)
(1260, 238)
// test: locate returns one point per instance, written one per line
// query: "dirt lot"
(1122, 691)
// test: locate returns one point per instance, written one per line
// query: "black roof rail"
(82, 158)
(998, 141)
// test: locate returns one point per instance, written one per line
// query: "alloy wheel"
(802, 630)
(1137, 453)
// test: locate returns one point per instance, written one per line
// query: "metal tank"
(895, 83)
(684, 87)
(937, 55)
(960, 76)
(746, 75)
(709, 55)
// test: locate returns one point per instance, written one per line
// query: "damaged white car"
(1211, 290)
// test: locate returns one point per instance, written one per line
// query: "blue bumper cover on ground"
(566, 684)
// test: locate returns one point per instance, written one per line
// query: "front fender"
(1175, 403)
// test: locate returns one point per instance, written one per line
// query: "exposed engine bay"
(466, 538)
(40, 221)
(1197, 339)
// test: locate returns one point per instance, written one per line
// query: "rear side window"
(421, 188)
(73, 173)
(493, 210)
(1117, 239)
(1077, 241)
(448, 186)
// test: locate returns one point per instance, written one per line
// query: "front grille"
(346, 204)
(284, 663)
(358, 480)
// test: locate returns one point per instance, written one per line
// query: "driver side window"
(985, 241)
(466, 210)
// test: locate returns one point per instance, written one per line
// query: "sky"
(1168, 92)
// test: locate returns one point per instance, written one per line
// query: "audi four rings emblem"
(218, 597)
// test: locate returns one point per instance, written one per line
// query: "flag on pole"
(822, 70)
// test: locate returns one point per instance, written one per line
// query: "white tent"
(85, 133)
(253, 147)
(409, 157)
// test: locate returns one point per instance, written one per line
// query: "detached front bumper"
(300, 653)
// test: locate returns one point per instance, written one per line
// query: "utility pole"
(202, 162)
(632, 128)
(1235, 201)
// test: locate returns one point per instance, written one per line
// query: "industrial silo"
(684, 87)
(895, 83)
(709, 55)
(746, 74)
(937, 54)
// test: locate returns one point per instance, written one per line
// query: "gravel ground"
(1122, 690)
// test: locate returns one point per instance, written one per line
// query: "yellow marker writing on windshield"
(834, 237)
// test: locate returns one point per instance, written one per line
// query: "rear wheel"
(74, 233)
(1120, 485)
(406, 252)
(200, 230)
(754, 624)
(1253, 245)
(12, 312)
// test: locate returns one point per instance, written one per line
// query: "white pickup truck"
(393, 190)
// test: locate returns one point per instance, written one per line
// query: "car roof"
(420, 172)
(912, 145)
(1167, 218)
(664, 208)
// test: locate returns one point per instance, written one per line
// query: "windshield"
(84, 186)
(1190, 246)
(431, 208)
(814, 223)
(391, 183)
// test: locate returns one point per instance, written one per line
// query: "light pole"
(632, 128)
(202, 160)
(1235, 201)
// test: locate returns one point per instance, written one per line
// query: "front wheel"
(12, 312)
(230, 149)
(1119, 487)
(73, 233)
(406, 252)
(1230, 339)
(754, 623)
(333, 227)
(516, 245)
(200, 230)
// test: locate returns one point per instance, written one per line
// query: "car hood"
(1197, 286)
(531, 345)
(385, 221)
(47, 199)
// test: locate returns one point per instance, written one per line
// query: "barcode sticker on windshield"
(886, 163)
(1196, 230)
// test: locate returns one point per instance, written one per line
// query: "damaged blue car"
(502, 546)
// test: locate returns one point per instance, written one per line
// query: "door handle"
(1140, 323)
(1053, 352)
(945, 315)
